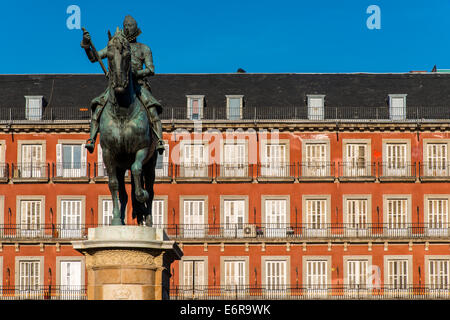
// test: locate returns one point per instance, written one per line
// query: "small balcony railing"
(71, 170)
(164, 170)
(316, 170)
(29, 170)
(40, 292)
(397, 170)
(308, 292)
(276, 170)
(357, 170)
(234, 170)
(44, 231)
(4, 171)
(194, 170)
(434, 170)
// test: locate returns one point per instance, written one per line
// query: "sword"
(97, 56)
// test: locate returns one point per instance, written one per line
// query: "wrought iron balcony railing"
(316, 170)
(434, 170)
(71, 170)
(234, 171)
(30, 170)
(40, 292)
(194, 170)
(276, 170)
(309, 292)
(357, 170)
(397, 170)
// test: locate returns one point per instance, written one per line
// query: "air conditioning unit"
(249, 231)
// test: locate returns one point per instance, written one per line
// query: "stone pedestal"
(128, 262)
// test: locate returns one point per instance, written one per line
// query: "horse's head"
(119, 61)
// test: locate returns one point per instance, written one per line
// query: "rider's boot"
(90, 143)
(158, 128)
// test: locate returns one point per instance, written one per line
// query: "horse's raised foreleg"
(123, 196)
(136, 168)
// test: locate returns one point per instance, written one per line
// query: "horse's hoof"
(90, 147)
(142, 197)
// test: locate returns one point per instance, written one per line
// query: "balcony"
(397, 171)
(275, 172)
(163, 172)
(30, 172)
(308, 292)
(40, 292)
(71, 172)
(438, 171)
(316, 171)
(357, 171)
(101, 175)
(194, 172)
(234, 172)
(52, 232)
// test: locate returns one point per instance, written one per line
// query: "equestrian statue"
(127, 117)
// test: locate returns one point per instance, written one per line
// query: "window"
(316, 107)
(234, 160)
(70, 280)
(357, 162)
(71, 160)
(356, 212)
(194, 275)
(234, 275)
(194, 218)
(397, 275)
(397, 216)
(234, 107)
(195, 160)
(276, 275)
(234, 215)
(71, 220)
(316, 276)
(162, 164)
(29, 276)
(275, 217)
(315, 159)
(316, 215)
(357, 273)
(31, 218)
(3, 171)
(32, 165)
(438, 273)
(33, 107)
(436, 160)
(158, 212)
(437, 215)
(397, 106)
(195, 107)
(107, 212)
(275, 160)
(396, 160)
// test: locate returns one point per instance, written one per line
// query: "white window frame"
(162, 221)
(314, 227)
(404, 284)
(397, 225)
(31, 168)
(196, 230)
(234, 288)
(31, 291)
(437, 281)
(394, 166)
(164, 171)
(73, 229)
(437, 224)
(35, 229)
(34, 114)
(61, 171)
(439, 166)
(354, 167)
(234, 162)
(395, 114)
(276, 285)
(190, 99)
(241, 100)
(276, 226)
(233, 226)
(194, 162)
(278, 165)
(316, 285)
(73, 291)
(318, 166)
(316, 112)
(199, 289)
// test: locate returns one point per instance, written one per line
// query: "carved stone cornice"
(121, 258)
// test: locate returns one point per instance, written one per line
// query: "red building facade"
(290, 205)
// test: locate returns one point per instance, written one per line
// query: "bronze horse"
(126, 137)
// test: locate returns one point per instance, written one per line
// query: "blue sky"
(220, 36)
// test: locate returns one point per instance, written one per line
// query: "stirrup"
(160, 147)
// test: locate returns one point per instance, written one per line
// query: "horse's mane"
(120, 36)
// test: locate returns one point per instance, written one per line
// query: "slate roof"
(275, 93)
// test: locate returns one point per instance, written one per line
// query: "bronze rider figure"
(140, 55)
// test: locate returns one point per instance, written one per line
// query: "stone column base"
(128, 262)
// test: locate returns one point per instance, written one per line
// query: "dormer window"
(316, 106)
(195, 107)
(33, 107)
(397, 106)
(234, 107)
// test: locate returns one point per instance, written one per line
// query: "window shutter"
(59, 160)
(83, 161)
